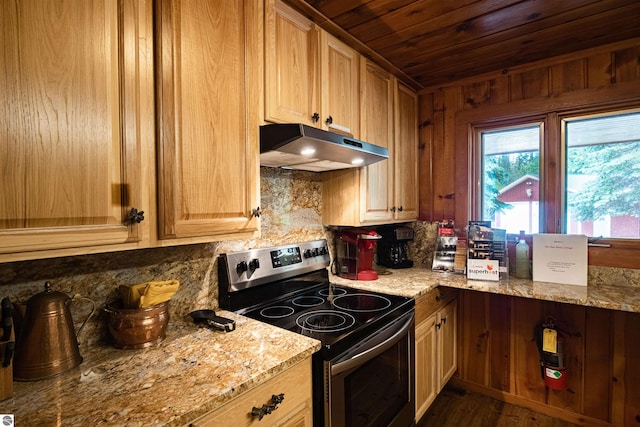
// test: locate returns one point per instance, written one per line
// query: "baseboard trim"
(541, 408)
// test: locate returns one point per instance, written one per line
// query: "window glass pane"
(603, 176)
(511, 178)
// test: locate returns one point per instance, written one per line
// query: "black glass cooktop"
(337, 316)
(288, 286)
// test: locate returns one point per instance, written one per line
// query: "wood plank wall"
(582, 80)
(499, 357)
(497, 354)
(594, 69)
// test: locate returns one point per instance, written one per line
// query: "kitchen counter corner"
(193, 371)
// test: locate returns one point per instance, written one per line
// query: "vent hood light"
(302, 147)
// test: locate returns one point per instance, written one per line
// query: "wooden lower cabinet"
(294, 411)
(436, 345)
(446, 326)
(426, 367)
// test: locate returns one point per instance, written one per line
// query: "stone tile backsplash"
(291, 204)
(291, 207)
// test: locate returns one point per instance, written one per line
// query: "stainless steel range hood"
(298, 146)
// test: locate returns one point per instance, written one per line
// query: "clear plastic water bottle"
(522, 258)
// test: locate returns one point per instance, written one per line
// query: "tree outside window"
(511, 168)
(603, 176)
(601, 184)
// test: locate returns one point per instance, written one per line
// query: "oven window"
(377, 391)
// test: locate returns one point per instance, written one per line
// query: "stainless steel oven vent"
(302, 147)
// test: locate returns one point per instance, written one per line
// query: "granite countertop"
(193, 371)
(414, 282)
(196, 370)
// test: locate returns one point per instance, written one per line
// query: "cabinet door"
(71, 124)
(376, 106)
(406, 154)
(292, 83)
(207, 117)
(340, 87)
(426, 367)
(447, 363)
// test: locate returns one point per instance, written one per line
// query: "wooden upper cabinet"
(405, 158)
(340, 87)
(376, 105)
(292, 58)
(73, 124)
(208, 63)
(387, 191)
(310, 76)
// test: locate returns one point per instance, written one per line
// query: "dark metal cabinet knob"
(135, 216)
(315, 118)
(256, 212)
(329, 120)
(266, 409)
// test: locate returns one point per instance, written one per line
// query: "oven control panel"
(285, 257)
(245, 269)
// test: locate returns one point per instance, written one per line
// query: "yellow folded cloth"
(147, 294)
(158, 292)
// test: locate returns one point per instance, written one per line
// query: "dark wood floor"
(456, 408)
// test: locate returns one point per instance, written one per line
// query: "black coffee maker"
(393, 250)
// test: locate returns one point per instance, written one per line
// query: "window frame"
(610, 252)
(477, 157)
(564, 119)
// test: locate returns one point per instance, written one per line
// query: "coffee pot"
(393, 249)
(47, 343)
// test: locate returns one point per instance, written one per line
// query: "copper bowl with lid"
(135, 328)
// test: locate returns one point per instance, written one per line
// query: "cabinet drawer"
(429, 303)
(294, 410)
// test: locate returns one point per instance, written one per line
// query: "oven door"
(372, 384)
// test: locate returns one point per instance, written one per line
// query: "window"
(511, 178)
(580, 177)
(602, 175)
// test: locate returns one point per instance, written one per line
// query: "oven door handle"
(362, 358)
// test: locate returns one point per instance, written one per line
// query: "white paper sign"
(483, 269)
(560, 258)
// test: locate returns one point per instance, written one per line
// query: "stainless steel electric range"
(363, 374)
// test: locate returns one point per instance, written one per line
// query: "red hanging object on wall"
(551, 346)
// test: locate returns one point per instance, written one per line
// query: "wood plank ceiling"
(439, 41)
